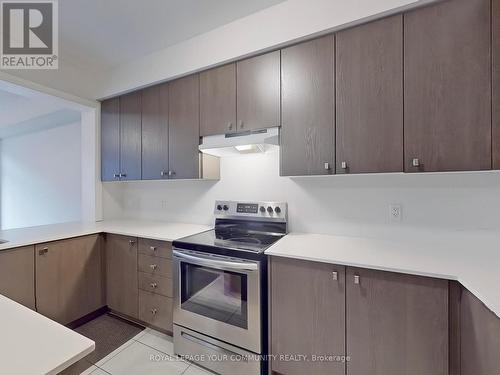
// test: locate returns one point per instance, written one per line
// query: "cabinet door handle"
(357, 279)
(335, 275)
(153, 285)
(241, 124)
(327, 166)
(116, 175)
(230, 125)
(132, 242)
(162, 173)
(153, 266)
(343, 165)
(152, 248)
(415, 162)
(171, 173)
(43, 251)
(154, 311)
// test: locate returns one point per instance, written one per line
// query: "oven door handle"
(207, 261)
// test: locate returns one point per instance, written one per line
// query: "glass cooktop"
(230, 238)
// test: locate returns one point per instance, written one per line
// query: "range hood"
(240, 143)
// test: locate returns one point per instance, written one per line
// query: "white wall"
(40, 177)
(333, 204)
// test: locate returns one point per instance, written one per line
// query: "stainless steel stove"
(220, 288)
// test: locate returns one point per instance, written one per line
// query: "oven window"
(215, 294)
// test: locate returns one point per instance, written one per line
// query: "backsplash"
(331, 204)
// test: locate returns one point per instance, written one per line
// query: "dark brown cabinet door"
(184, 127)
(480, 337)
(258, 92)
(307, 133)
(69, 278)
(130, 136)
(110, 139)
(155, 132)
(369, 96)
(447, 95)
(122, 288)
(308, 315)
(17, 273)
(496, 81)
(218, 100)
(396, 324)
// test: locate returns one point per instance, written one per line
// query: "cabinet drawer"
(155, 265)
(155, 284)
(155, 310)
(155, 248)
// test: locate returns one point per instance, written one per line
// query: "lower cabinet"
(69, 278)
(155, 310)
(17, 273)
(121, 274)
(356, 321)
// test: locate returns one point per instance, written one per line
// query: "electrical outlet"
(395, 213)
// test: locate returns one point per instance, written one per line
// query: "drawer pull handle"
(43, 251)
(335, 275)
(131, 242)
(153, 266)
(356, 279)
(152, 248)
(153, 311)
(153, 285)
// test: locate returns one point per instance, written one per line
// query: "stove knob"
(262, 209)
(225, 207)
(270, 209)
(219, 207)
(277, 209)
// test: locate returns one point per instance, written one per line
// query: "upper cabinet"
(447, 94)
(121, 138)
(218, 100)
(184, 128)
(110, 139)
(369, 97)
(307, 100)
(155, 132)
(495, 19)
(258, 92)
(130, 136)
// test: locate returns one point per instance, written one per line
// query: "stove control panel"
(263, 210)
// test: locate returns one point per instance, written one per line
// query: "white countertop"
(33, 344)
(471, 257)
(157, 230)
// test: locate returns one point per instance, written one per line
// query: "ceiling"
(99, 34)
(23, 111)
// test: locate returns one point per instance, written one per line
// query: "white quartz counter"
(157, 230)
(33, 344)
(471, 257)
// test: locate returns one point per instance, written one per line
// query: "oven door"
(218, 296)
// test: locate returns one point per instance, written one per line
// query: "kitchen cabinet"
(155, 143)
(447, 95)
(307, 95)
(69, 278)
(258, 92)
(495, 49)
(121, 274)
(130, 136)
(380, 322)
(369, 97)
(184, 128)
(479, 338)
(218, 100)
(307, 315)
(17, 275)
(396, 323)
(110, 140)
(156, 310)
